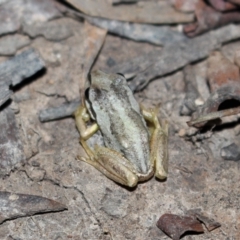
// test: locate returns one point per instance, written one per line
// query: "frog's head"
(100, 81)
(102, 86)
(103, 81)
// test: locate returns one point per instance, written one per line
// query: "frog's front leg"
(109, 162)
(81, 117)
(159, 142)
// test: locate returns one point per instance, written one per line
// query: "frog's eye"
(121, 74)
(118, 81)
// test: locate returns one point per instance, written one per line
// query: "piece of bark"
(175, 226)
(13, 13)
(222, 5)
(185, 5)
(224, 82)
(5, 93)
(161, 12)
(209, 223)
(209, 18)
(11, 43)
(209, 110)
(175, 56)
(237, 58)
(125, 1)
(221, 71)
(11, 150)
(215, 115)
(55, 30)
(235, 1)
(229, 17)
(189, 103)
(158, 35)
(231, 152)
(96, 35)
(16, 69)
(65, 110)
(92, 35)
(139, 64)
(20, 67)
(6, 13)
(13, 205)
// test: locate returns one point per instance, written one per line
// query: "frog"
(135, 142)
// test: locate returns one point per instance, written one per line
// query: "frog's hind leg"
(107, 161)
(111, 164)
(158, 143)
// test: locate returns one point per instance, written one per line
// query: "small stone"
(15, 107)
(115, 203)
(35, 173)
(111, 62)
(11, 43)
(182, 132)
(231, 152)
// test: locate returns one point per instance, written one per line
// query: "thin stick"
(214, 115)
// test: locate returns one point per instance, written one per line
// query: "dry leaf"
(175, 226)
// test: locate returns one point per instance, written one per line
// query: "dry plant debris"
(209, 223)
(15, 70)
(14, 13)
(192, 97)
(210, 15)
(221, 71)
(161, 11)
(13, 205)
(65, 110)
(185, 5)
(55, 30)
(224, 81)
(159, 35)
(175, 226)
(41, 159)
(12, 154)
(175, 56)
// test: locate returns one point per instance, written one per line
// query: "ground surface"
(98, 208)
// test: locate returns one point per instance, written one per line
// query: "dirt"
(98, 208)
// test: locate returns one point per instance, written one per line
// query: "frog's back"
(121, 123)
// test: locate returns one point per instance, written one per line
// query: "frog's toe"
(132, 180)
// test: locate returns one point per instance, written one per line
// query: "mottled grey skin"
(120, 121)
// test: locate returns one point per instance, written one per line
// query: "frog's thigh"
(159, 143)
(113, 165)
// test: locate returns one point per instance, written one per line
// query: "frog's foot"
(113, 165)
(159, 142)
(159, 150)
